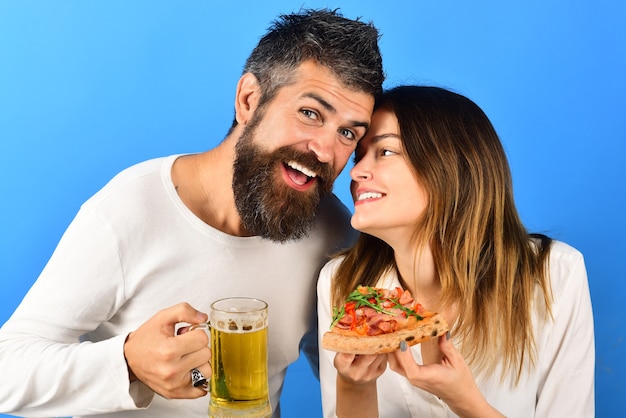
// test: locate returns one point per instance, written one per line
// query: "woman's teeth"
(369, 195)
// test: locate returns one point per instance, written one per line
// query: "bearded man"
(255, 216)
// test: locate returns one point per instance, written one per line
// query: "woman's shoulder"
(563, 251)
(566, 266)
(564, 257)
(325, 279)
(331, 266)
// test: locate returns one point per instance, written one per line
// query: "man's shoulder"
(333, 219)
(332, 205)
(333, 213)
(143, 175)
(143, 168)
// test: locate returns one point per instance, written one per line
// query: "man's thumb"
(182, 312)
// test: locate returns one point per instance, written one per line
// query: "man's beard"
(268, 207)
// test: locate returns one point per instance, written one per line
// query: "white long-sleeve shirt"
(562, 384)
(133, 249)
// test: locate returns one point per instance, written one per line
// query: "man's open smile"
(301, 177)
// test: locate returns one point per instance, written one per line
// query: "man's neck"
(204, 184)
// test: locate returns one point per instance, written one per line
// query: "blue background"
(88, 88)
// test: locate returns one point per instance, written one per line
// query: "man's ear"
(246, 98)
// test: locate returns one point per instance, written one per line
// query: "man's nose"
(322, 145)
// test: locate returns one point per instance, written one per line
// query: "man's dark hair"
(348, 48)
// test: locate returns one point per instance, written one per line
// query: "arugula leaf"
(363, 299)
(338, 314)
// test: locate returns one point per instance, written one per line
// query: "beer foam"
(240, 325)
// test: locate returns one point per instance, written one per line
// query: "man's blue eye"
(348, 134)
(310, 114)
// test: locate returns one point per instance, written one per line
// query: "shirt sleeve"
(567, 358)
(328, 373)
(46, 369)
(309, 347)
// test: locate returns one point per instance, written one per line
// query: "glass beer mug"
(239, 381)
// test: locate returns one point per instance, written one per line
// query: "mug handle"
(200, 325)
(185, 329)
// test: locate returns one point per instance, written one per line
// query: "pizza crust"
(423, 330)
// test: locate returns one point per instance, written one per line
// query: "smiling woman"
(459, 246)
(394, 198)
(89, 88)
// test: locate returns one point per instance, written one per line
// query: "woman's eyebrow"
(380, 137)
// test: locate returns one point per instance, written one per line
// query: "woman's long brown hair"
(489, 266)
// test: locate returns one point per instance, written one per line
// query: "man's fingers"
(182, 312)
(164, 361)
(197, 358)
(200, 376)
(191, 341)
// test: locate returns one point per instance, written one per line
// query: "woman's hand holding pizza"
(451, 380)
(360, 368)
(356, 384)
(372, 323)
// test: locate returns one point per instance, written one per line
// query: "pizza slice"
(376, 321)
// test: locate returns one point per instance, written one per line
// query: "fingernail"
(448, 335)
(403, 345)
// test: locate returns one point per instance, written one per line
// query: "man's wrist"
(131, 375)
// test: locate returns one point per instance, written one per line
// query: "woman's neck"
(417, 273)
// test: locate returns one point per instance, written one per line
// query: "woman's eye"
(387, 152)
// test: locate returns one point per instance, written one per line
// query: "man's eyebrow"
(329, 107)
(321, 101)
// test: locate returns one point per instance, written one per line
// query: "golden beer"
(239, 382)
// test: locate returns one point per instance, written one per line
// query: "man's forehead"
(315, 73)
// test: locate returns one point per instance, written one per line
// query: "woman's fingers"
(360, 368)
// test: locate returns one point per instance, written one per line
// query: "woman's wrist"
(356, 399)
(476, 409)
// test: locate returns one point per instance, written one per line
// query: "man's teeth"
(369, 195)
(301, 168)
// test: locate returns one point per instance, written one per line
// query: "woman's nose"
(360, 172)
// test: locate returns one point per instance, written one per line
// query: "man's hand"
(163, 361)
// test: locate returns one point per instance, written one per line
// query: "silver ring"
(197, 378)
